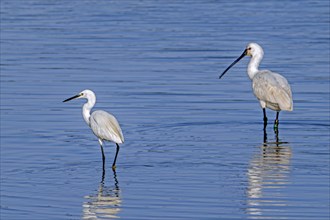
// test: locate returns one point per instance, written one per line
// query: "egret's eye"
(249, 48)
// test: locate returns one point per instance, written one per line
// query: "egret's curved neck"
(86, 110)
(254, 65)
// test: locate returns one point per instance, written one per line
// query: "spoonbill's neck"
(253, 65)
(86, 110)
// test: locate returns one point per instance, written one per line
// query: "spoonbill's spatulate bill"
(103, 124)
(271, 89)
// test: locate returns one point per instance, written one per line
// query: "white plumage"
(106, 127)
(272, 90)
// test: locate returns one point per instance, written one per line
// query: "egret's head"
(87, 94)
(254, 49)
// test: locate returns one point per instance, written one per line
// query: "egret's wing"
(274, 89)
(106, 126)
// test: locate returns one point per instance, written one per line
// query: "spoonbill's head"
(87, 94)
(252, 49)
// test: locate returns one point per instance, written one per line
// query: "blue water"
(194, 145)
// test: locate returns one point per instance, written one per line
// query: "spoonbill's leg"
(265, 118)
(114, 162)
(265, 137)
(276, 121)
(276, 137)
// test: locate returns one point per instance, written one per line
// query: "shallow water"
(194, 146)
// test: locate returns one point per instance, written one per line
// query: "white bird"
(104, 125)
(271, 89)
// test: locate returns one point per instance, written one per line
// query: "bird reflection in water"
(268, 176)
(105, 204)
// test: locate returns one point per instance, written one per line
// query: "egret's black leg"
(103, 158)
(114, 162)
(103, 175)
(276, 121)
(265, 118)
(116, 181)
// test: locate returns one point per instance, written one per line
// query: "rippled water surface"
(194, 145)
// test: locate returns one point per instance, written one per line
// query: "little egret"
(104, 125)
(271, 89)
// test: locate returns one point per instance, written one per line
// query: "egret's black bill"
(231, 65)
(73, 97)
